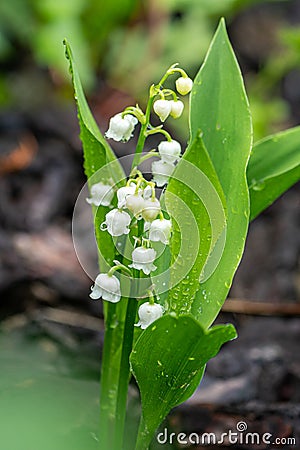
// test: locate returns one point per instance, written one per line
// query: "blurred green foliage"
(45, 395)
(37, 28)
(129, 42)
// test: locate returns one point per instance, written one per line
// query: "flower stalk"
(139, 218)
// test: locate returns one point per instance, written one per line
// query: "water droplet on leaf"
(259, 185)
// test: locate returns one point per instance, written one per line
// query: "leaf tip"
(232, 333)
(222, 26)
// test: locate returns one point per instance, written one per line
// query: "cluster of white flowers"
(174, 108)
(165, 108)
(137, 200)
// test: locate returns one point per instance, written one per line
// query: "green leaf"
(274, 167)
(100, 162)
(162, 273)
(219, 107)
(168, 361)
(195, 201)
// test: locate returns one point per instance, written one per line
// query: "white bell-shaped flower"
(184, 85)
(160, 230)
(148, 313)
(147, 226)
(101, 194)
(116, 222)
(107, 287)
(162, 108)
(176, 108)
(121, 128)
(147, 192)
(123, 192)
(142, 259)
(151, 209)
(169, 151)
(161, 172)
(135, 203)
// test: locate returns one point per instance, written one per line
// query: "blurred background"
(48, 324)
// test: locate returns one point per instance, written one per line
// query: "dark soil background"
(255, 379)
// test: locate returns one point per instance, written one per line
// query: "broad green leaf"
(166, 360)
(195, 201)
(274, 166)
(219, 107)
(162, 273)
(100, 163)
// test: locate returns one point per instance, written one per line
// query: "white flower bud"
(176, 108)
(107, 287)
(169, 151)
(161, 172)
(151, 209)
(160, 230)
(184, 85)
(101, 194)
(135, 203)
(116, 222)
(142, 259)
(121, 128)
(148, 313)
(123, 192)
(162, 108)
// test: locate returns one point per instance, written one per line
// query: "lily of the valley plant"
(169, 242)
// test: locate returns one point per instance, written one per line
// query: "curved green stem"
(143, 135)
(149, 155)
(159, 130)
(124, 370)
(107, 406)
(124, 375)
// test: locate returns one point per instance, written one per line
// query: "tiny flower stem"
(143, 135)
(151, 297)
(152, 185)
(135, 111)
(145, 242)
(136, 241)
(181, 71)
(148, 155)
(159, 130)
(124, 373)
(134, 172)
(138, 184)
(119, 266)
(107, 404)
(170, 92)
(167, 74)
(154, 91)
